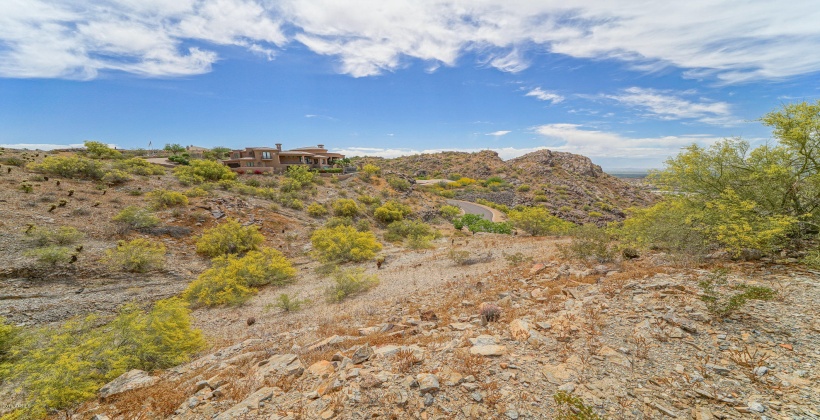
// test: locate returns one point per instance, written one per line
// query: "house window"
(236, 155)
(249, 164)
(265, 155)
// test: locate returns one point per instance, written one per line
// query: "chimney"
(321, 146)
(279, 146)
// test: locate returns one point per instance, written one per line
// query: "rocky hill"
(569, 185)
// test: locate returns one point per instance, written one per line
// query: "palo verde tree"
(739, 197)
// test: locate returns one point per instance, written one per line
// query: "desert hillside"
(131, 290)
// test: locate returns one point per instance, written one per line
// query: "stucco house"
(278, 160)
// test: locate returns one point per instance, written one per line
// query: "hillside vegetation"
(130, 290)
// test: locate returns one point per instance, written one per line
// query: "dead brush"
(470, 364)
(750, 359)
(658, 327)
(491, 394)
(405, 360)
(612, 287)
(490, 312)
(239, 388)
(641, 346)
(158, 401)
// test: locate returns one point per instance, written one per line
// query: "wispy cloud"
(44, 146)
(80, 38)
(667, 105)
(595, 143)
(499, 133)
(543, 95)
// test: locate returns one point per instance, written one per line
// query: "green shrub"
(523, 188)
(371, 170)
(200, 171)
(539, 198)
(344, 243)
(812, 259)
(136, 256)
(291, 202)
(460, 257)
(369, 200)
(26, 188)
(139, 166)
(399, 184)
(98, 150)
(571, 407)
(722, 303)
(595, 214)
(476, 223)
(115, 176)
(349, 282)
(538, 221)
(229, 237)
(133, 217)
(417, 234)
(317, 210)
(14, 161)
(345, 207)
(50, 255)
(58, 368)
(297, 177)
(232, 280)
(589, 242)
(289, 304)
(338, 221)
(449, 212)
(64, 235)
(69, 167)
(161, 199)
(391, 211)
(197, 192)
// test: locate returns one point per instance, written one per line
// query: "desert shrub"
(26, 188)
(345, 207)
(391, 211)
(334, 222)
(139, 166)
(500, 207)
(64, 235)
(349, 282)
(229, 237)
(812, 259)
(589, 242)
(538, 221)
(289, 304)
(449, 212)
(523, 188)
(399, 184)
(98, 150)
(317, 210)
(200, 171)
(540, 198)
(459, 257)
(197, 192)
(291, 202)
(136, 256)
(69, 167)
(13, 161)
(721, 302)
(417, 234)
(161, 199)
(476, 223)
(369, 200)
(253, 182)
(371, 170)
(55, 369)
(181, 159)
(344, 243)
(115, 176)
(571, 407)
(297, 177)
(363, 225)
(463, 182)
(50, 255)
(232, 280)
(595, 214)
(133, 217)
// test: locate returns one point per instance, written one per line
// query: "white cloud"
(593, 143)
(730, 40)
(499, 133)
(44, 146)
(668, 106)
(543, 95)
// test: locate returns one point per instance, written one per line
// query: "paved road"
(472, 208)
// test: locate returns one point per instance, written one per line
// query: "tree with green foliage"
(738, 198)
(476, 223)
(174, 148)
(99, 150)
(391, 211)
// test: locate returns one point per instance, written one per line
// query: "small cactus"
(53, 206)
(70, 193)
(490, 312)
(96, 203)
(58, 182)
(29, 227)
(8, 170)
(62, 203)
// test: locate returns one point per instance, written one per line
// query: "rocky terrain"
(631, 340)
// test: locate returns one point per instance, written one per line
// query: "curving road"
(473, 208)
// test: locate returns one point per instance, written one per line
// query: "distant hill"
(569, 185)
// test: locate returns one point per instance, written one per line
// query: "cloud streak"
(499, 133)
(543, 95)
(736, 42)
(669, 106)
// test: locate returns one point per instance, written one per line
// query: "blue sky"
(625, 84)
